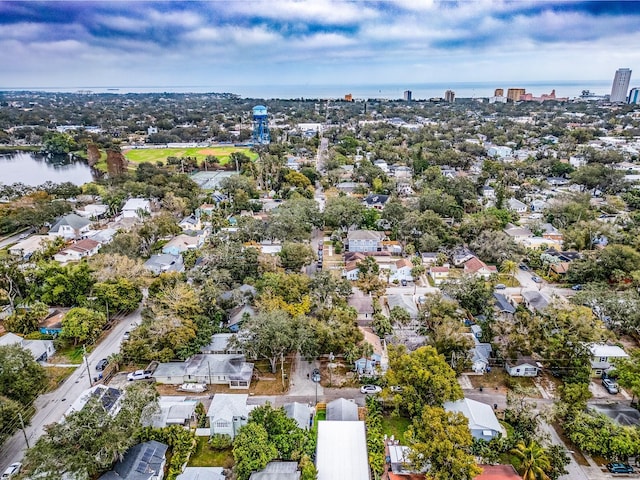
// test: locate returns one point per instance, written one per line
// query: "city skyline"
(58, 43)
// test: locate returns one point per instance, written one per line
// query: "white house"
(92, 211)
(29, 246)
(228, 412)
(483, 422)
(351, 271)
(403, 270)
(341, 451)
(439, 274)
(517, 206)
(40, 350)
(478, 268)
(136, 208)
(77, 251)
(602, 357)
(70, 227)
(190, 223)
(522, 367)
(219, 369)
(499, 151)
(488, 192)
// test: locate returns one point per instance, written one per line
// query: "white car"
(370, 389)
(139, 375)
(11, 470)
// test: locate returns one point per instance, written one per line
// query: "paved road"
(13, 238)
(321, 157)
(52, 406)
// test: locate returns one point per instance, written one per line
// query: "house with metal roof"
(164, 262)
(502, 305)
(342, 410)
(483, 422)
(40, 350)
(228, 412)
(300, 412)
(278, 471)
(202, 473)
(603, 356)
(144, 461)
(227, 369)
(110, 399)
(341, 451)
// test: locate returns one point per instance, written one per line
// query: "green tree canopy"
(21, 377)
(83, 325)
(252, 450)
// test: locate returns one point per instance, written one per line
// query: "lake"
(35, 169)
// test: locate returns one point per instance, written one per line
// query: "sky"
(314, 42)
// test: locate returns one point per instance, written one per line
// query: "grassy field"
(396, 426)
(205, 456)
(153, 155)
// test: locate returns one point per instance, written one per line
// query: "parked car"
(403, 282)
(126, 336)
(500, 286)
(610, 385)
(619, 468)
(576, 287)
(370, 389)
(139, 375)
(11, 470)
(102, 364)
(396, 388)
(536, 279)
(523, 267)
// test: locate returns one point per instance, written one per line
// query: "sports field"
(154, 155)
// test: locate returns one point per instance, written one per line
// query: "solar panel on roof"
(142, 467)
(147, 456)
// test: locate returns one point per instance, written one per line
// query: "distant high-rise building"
(634, 95)
(450, 96)
(407, 95)
(348, 97)
(620, 85)
(513, 94)
(499, 92)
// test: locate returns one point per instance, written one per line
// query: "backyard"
(205, 456)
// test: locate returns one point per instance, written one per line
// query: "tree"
(327, 289)
(89, 441)
(627, 371)
(21, 378)
(121, 295)
(294, 220)
(425, 377)
(294, 256)
(399, 316)
(83, 325)
(472, 293)
(440, 443)
(290, 440)
(495, 247)
(57, 143)
(12, 282)
(26, 320)
(534, 463)
(9, 415)
(509, 267)
(343, 212)
(268, 335)
(65, 286)
(252, 450)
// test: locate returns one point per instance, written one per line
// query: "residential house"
(517, 206)
(476, 330)
(403, 301)
(300, 412)
(502, 305)
(173, 410)
(136, 208)
(522, 367)
(382, 165)
(429, 258)
(27, 247)
(399, 463)
(93, 211)
(110, 399)
(498, 472)
(202, 473)
(439, 274)
(535, 301)
(351, 271)
(341, 451)
(404, 189)
(461, 255)
(403, 269)
(363, 304)
(103, 236)
(52, 324)
(518, 234)
(557, 181)
(77, 251)
(277, 471)
(164, 262)
(538, 205)
(348, 187)
(478, 268)
(378, 362)
(227, 413)
(364, 241)
(499, 151)
(560, 268)
(375, 201)
(182, 243)
(41, 350)
(342, 410)
(479, 355)
(402, 172)
(238, 315)
(488, 193)
(603, 357)
(145, 461)
(190, 223)
(70, 227)
(483, 422)
(550, 232)
(220, 344)
(229, 369)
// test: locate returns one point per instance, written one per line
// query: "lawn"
(57, 375)
(68, 354)
(205, 456)
(153, 155)
(396, 426)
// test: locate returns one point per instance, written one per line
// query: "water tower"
(260, 125)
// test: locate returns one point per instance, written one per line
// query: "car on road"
(536, 279)
(126, 336)
(403, 282)
(576, 287)
(11, 470)
(102, 364)
(22, 236)
(523, 267)
(139, 375)
(619, 468)
(370, 389)
(500, 286)
(610, 385)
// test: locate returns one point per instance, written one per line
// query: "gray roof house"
(40, 350)
(404, 301)
(228, 369)
(144, 461)
(277, 471)
(503, 305)
(365, 241)
(483, 422)
(228, 412)
(220, 344)
(534, 301)
(522, 367)
(173, 411)
(164, 262)
(300, 412)
(70, 227)
(202, 473)
(342, 410)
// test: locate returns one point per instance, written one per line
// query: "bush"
(220, 441)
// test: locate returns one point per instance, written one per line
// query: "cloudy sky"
(314, 42)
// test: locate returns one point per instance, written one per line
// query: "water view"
(35, 169)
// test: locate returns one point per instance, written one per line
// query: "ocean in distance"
(419, 91)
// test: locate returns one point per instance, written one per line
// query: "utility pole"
(282, 370)
(26, 439)
(86, 362)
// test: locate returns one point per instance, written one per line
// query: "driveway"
(301, 384)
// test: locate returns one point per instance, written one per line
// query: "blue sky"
(315, 42)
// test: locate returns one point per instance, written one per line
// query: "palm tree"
(534, 463)
(509, 267)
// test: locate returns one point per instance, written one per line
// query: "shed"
(342, 410)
